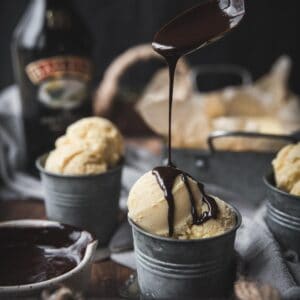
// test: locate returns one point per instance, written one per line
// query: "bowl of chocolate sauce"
(37, 255)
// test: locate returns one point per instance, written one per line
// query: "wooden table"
(107, 276)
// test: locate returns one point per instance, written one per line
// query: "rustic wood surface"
(107, 276)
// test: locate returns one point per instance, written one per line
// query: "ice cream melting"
(186, 33)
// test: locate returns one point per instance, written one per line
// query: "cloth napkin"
(261, 257)
(14, 183)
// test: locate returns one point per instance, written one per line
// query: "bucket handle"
(221, 134)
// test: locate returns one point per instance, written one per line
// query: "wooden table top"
(107, 276)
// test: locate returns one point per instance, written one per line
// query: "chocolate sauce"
(35, 254)
(166, 177)
(172, 61)
(186, 33)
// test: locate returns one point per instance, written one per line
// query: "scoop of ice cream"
(90, 146)
(287, 169)
(148, 208)
(212, 227)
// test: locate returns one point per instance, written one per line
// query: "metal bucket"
(88, 201)
(283, 215)
(185, 269)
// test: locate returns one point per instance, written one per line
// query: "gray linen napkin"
(14, 183)
(262, 258)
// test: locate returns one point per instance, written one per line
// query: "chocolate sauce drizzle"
(171, 61)
(189, 31)
(166, 177)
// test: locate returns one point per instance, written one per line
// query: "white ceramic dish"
(76, 278)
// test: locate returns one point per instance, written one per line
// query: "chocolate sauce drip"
(213, 209)
(194, 211)
(35, 254)
(166, 177)
(186, 33)
(172, 61)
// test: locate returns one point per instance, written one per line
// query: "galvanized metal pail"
(185, 269)
(88, 201)
(283, 215)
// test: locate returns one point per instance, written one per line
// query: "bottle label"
(62, 81)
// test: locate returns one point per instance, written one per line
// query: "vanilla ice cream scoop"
(90, 146)
(148, 208)
(287, 169)
(225, 221)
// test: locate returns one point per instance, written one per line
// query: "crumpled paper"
(266, 106)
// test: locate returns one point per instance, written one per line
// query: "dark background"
(269, 29)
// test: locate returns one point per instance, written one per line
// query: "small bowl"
(77, 278)
(283, 215)
(86, 201)
(169, 268)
